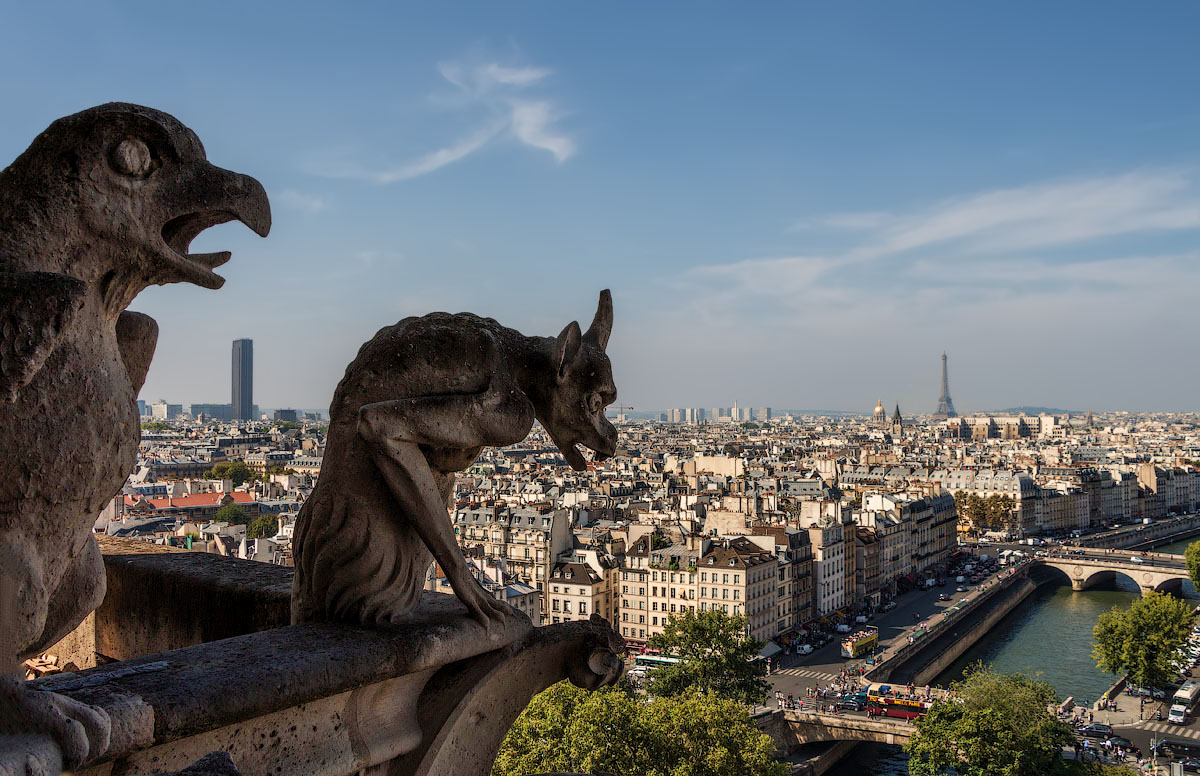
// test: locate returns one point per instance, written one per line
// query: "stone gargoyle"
(417, 405)
(103, 204)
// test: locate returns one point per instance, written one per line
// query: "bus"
(654, 661)
(1187, 694)
(860, 642)
(891, 706)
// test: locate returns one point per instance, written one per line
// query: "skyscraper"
(243, 379)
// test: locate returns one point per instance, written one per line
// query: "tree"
(1192, 556)
(263, 526)
(998, 511)
(994, 725)
(612, 731)
(156, 425)
(715, 655)
(237, 471)
(233, 514)
(1144, 639)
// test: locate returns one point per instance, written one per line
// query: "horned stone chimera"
(417, 405)
(103, 204)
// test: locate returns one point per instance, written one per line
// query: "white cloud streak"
(299, 200)
(493, 89)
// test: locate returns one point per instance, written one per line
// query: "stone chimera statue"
(417, 405)
(103, 204)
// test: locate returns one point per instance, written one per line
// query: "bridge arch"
(1100, 576)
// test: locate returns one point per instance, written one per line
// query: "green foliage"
(1192, 556)
(287, 425)
(997, 725)
(994, 513)
(613, 731)
(156, 425)
(1143, 639)
(715, 656)
(232, 513)
(237, 471)
(263, 526)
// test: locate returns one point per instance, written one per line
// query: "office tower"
(243, 379)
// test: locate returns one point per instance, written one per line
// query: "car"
(960, 589)
(851, 704)
(1191, 765)
(804, 649)
(1095, 730)
(943, 597)
(1136, 559)
(890, 605)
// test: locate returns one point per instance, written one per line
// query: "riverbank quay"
(1165, 531)
(955, 631)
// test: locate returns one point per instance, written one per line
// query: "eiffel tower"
(945, 408)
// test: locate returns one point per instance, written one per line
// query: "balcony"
(206, 661)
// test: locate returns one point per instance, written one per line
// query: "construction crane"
(619, 407)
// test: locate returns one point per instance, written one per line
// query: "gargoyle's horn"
(601, 327)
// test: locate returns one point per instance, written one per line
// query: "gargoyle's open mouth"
(178, 234)
(219, 196)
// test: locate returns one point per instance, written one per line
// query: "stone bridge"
(790, 729)
(1086, 571)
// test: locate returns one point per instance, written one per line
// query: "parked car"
(805, 649)
(1095, 730)
(960, 589)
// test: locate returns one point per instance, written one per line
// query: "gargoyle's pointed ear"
(601, 327)
(566, 347)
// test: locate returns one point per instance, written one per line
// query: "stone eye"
(594, 403)
(132, 157)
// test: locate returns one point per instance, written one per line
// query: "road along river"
(1049, 635)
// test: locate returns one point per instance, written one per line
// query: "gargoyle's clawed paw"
(81, 731)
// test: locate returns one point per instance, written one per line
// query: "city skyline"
(803, 216)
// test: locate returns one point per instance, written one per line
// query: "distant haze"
(801, 206)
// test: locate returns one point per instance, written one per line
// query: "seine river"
(1050, 635)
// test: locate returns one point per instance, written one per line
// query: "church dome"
(880, 412)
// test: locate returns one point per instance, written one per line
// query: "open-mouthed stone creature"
(103, 204)
(417, 405)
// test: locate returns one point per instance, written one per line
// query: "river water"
(1048, 635)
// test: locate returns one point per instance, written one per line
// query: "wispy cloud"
(299, 200)
(496, 91)
(1045, 239)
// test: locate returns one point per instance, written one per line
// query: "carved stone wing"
(35, 309)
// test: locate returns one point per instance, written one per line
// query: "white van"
(1178, 714)
(960, 579)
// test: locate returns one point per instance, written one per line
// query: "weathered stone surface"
(211, 764)
(103, 204)
(417, 405)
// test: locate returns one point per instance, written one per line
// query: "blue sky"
(795, 205)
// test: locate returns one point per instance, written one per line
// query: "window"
(642, 620)
(736, 593)
(583, 607)
(737, 578)
(724, 581)
(703, 576)
(703, 606)
(624, 588)
(624, 618)
(655, 621)
(641, 634)
(654, 605)
(725, 594)
(554, 605)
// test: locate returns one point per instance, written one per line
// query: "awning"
(911, 577)
(770, 650)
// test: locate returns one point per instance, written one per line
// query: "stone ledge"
(164, 697)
